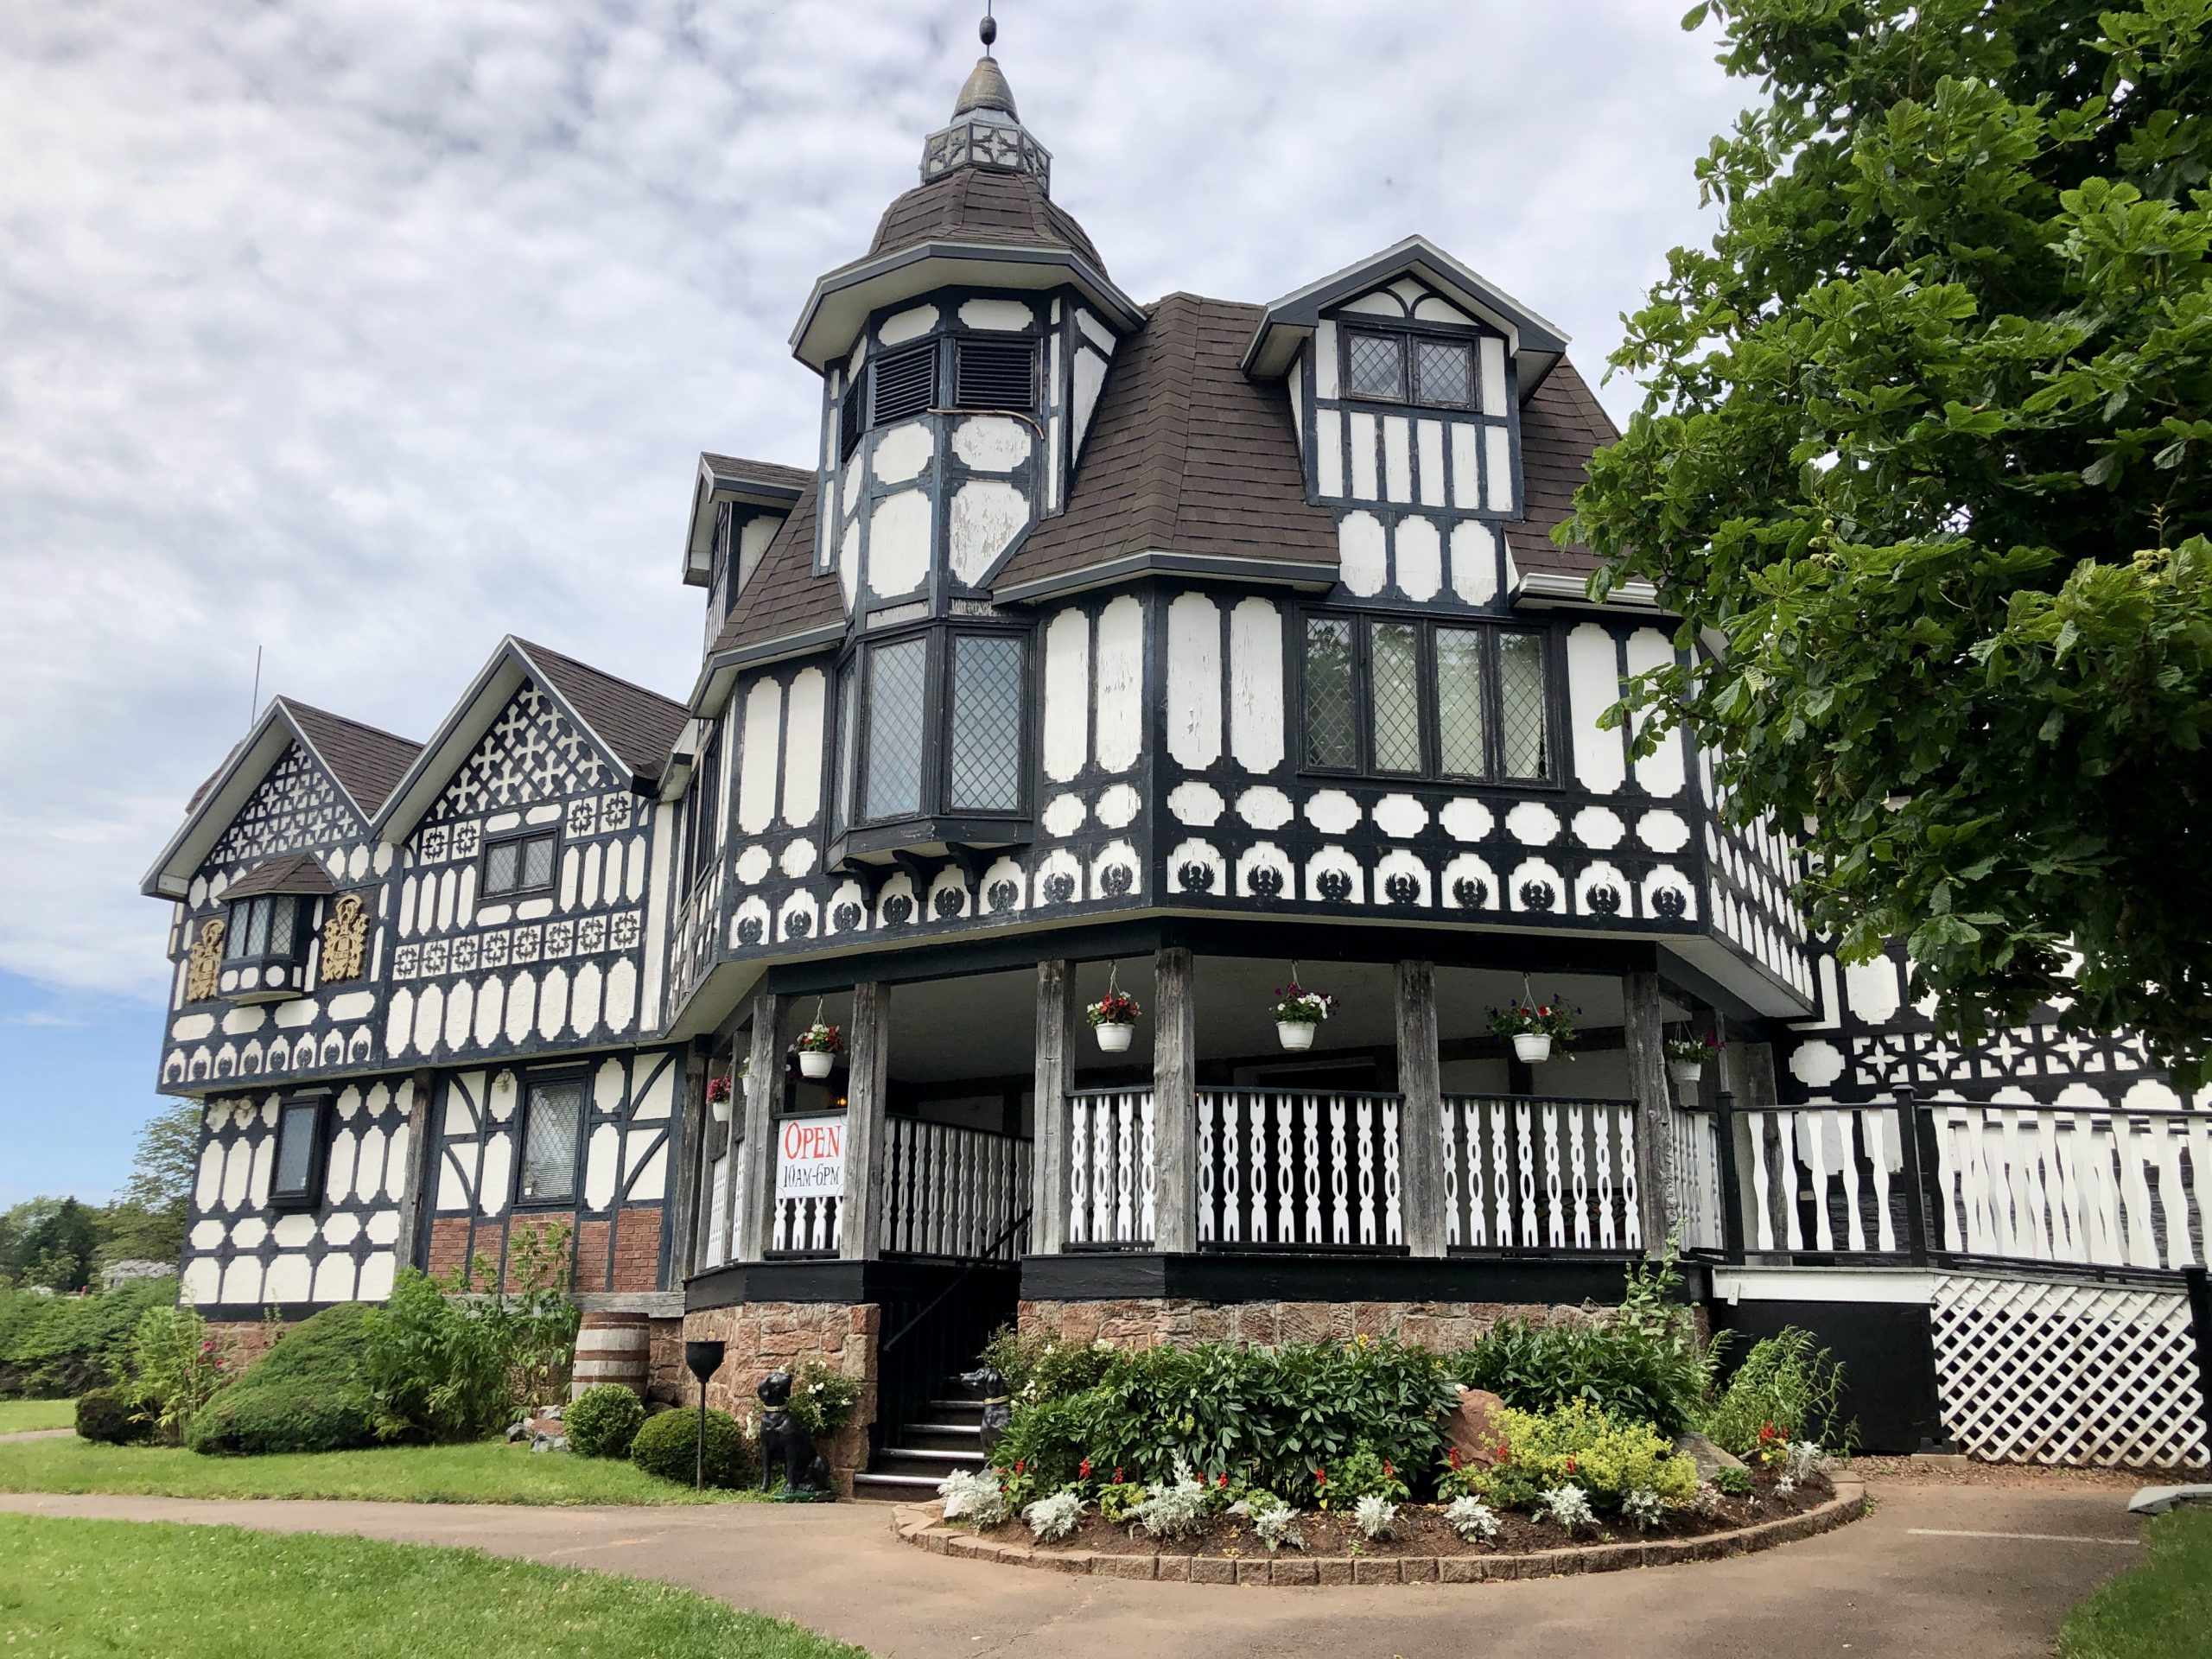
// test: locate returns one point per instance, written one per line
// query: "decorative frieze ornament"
(344, 939)
(204, 967)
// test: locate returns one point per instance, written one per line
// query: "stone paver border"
(920, 1527)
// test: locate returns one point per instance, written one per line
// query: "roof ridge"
(292, 702)
(536, 649)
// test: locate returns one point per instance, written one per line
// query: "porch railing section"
(1524, 1172)
(1701, 1192)
(805, 1226)
(1316, 1169)
(2104, 1187)
(950, 1191)
(1109, 1166)
(1825, 1179)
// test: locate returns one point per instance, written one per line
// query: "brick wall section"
(1145, 1322)
(636, 1248)
(449, 1244)
(765, 1337)
(247, 1339)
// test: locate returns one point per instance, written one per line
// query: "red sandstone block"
(1334, 1570)
(1206, 1570)
(1365, 1571)
(1418, 1569)
(1284, 1571)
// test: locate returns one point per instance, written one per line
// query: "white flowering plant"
(977, 1497)
(1053, 1518)
(1472, 1519)
(1802, 1460)
(1296, 1006)
(1275, 1523)
(1644, 1507)
(1568, 1505)
(1709, 1500)
(1173, 1508)
(1376, 1516)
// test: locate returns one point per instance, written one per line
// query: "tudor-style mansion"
(1186, 648)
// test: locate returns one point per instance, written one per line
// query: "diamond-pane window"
(1522, 717)
(894, 729)
(538, 862)
(1395, 666)
(1445, 371)
(1460, 703)
(551, 1128)
(1331, 734)
(501, 860)
(847, 712)
(986, 771)
(1375, 365)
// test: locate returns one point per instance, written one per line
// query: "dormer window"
(515, 866)
(1399, 367)
(267, 929)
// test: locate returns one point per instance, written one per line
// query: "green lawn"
(71, 1588)
(490, 1472)
(16, 1415)
(2161, 1610)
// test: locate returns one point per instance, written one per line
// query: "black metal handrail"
(990, 1254)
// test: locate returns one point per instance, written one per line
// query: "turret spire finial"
(988, 29)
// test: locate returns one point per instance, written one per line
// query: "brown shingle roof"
(765, 471)
(1185, 455)
(290, 872)
(1561, 425)
(366, 762)
(977, 204)
(640, 726)
(784, 596)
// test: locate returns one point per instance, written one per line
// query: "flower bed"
(1423, 1547)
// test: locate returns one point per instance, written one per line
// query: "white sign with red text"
(810, 1158)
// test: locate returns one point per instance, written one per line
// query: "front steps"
(950, 1442)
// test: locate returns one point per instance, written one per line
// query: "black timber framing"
(1288, 1276)
(892, 1279)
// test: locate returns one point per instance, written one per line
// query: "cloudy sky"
(365, 331)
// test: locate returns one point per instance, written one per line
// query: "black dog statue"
(782, 1440)
(998, 1408)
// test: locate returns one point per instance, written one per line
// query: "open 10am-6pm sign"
(810, 1158)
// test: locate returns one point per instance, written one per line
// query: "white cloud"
(368, 330)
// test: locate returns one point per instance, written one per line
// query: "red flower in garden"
(1389, 1474)
(1455, 1456)
(1224, 1480)
(1117, 1474)
(1321, 1476)
(1769, 1432)
(1017, 1466)
(1084, 1473)
(1570, 1465)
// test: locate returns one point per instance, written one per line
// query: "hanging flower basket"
(818, 1046)
(1298, 1014)
(1686, 1058)
(718, 1098)
(1536, 1028)
(1114, 1020)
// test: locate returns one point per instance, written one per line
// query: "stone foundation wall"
(1144, 1322)
(666, 1381)
(765, 1337)
(248, 1339)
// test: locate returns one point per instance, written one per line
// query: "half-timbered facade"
(1190, 647)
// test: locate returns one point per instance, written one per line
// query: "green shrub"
(1042, 1449)
(303, 1395)
(1787, 1380)
(104, 1415)
(176, 1367)
(822, 1399)
(1265, 1418)
(56, 1347)
(1644, 1362)
(431, 1369)
(1364, 1473)
(1607, 1458)
(1040, 1367)
(602, 1421)
(668, 1444)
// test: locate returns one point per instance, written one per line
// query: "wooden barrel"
(612, 1348)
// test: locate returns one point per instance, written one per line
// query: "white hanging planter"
(1114, 1039)
(816, 1063)
(1532, 1048)
(1296, 1035)
(1686, 1072)
(721, 1109)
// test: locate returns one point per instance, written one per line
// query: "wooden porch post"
(1048, 1223)
(753, 1172)
(1654, 1106)
(859, 1224)
(1421, 1116)
(1174, 1102)
(694, 1123)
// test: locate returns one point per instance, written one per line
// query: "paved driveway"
(1987, 1572)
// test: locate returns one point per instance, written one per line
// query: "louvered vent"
(996, 374)
(905, 385)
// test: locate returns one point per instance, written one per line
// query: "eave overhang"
(1303, 574)
(1537, 344)
(840, 303)
(1552, 590)
(722, 479)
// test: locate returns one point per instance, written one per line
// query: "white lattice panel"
(2038, 1371)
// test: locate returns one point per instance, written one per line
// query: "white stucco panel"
(756, 791)
(1118, 806)
(986, 516)
(1120, 684)
(903, 326)
(1194, 681)
(1195, 803)
(1421, 558)
(1006, 316)
(1264, 808)
(803, 740)
(899, 543)
(1067, 694)
(902, 451)
(1363, 561)
(992, 444)
(1255, 685)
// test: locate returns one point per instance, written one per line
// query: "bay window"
(932, 726)
(1414, 698)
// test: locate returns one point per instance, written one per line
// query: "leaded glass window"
(261, 927)
(1522, 716)
(1460, 749)
(522, 863)
(985, 775)
(298, 1138)
(552, 1125)
(1394, 677)
(1375, 365)
(896, 679)
(849, 685)
(1443, 372)
(1332, 730)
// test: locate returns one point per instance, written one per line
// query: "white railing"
(1522, 1174)
(2065, 1184)
(950, 1191)
(1694, 1137)
(1838, 1166)
(1293, 1166)
(1109, 1166)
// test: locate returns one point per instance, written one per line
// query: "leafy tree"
(1924, 461)
(146, 1223)
(49, 1242)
